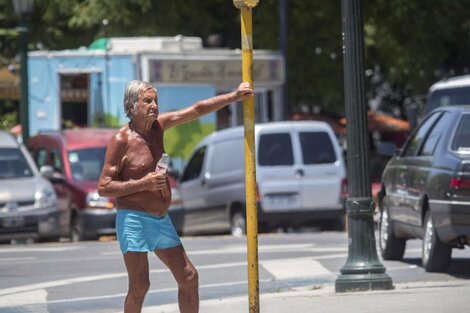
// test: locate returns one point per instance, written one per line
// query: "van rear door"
(278, 185)
(321, 168)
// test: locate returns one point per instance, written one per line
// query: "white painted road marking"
(295, 268)
(32, 301)
(154, 291)
(35, 295)
(70, 281)
(241, 249)
(39, 249)
(17, 259)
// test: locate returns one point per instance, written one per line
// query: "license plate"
(11, 222)
(281, 201)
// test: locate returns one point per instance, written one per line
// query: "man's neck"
(142, 127)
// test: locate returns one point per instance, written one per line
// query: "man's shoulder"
(121, 138)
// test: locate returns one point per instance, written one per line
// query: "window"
(461, 141)
(448, 96)
(227, 156)
(415, 141)
(275, 150)
(41, 157)
(317, 148)
(86, 164)
(57, 162)
(194, 167)
(433, 138)
(13, 164)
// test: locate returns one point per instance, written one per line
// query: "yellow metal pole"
(245, 7)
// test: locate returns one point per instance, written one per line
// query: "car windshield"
(461, 140)
(86, 164)
(13, 164)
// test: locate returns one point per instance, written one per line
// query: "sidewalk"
(432, 297)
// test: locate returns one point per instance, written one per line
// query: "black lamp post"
(283, 21)
(363, 270)
(24, 8)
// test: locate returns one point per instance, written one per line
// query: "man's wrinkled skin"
(129, 176)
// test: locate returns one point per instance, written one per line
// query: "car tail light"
(344, 188)
(175, 196)
(460, 183)
(258, 196)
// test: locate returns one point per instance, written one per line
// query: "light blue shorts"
(139, 231)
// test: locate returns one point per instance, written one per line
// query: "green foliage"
(8, 120)
(413, 42)
(417, 42)
(109, 120)
(181, 140)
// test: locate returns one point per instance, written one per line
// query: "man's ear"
(133, 108)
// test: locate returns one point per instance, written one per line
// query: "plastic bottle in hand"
(162, 165)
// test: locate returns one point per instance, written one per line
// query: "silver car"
(28, 208)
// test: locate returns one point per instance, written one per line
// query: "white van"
(300, 176)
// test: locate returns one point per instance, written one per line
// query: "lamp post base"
(363, 282)
(363, 269)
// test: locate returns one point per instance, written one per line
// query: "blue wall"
(44, 83)
(171, 98)
(45, 105)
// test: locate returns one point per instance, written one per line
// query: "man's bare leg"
(186, 276)
(138, 273)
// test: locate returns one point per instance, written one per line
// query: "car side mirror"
(47, 171)
(387, 148)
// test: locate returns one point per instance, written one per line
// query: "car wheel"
(391, 247)
(76, 230)
(436, 255)
(238, 224)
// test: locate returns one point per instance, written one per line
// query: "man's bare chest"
(140, 160)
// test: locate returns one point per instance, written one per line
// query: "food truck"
(85, 87)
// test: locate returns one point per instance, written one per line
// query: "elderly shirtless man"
(143, 195)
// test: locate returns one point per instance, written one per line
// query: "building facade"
(85, 87)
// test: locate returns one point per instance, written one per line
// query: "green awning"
(99, 44)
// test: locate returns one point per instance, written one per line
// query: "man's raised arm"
(205, 106)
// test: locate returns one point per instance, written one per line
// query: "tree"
(414, 43)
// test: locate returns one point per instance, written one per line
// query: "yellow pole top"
(245, 4)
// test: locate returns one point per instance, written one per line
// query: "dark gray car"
(28, 208)
(426, 190)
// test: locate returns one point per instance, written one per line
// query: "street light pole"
(23, 9)
(283, 25)
(363, 270)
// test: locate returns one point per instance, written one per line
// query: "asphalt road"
(91, 277)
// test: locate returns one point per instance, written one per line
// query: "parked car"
(448, 92)
(28, 208)
(426, 190)
(300, 176)
(77, 158)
